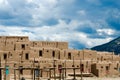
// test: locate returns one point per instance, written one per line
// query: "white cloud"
(106, 31)
(71, 20)
(3, 2)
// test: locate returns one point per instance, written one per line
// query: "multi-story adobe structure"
(20, 57)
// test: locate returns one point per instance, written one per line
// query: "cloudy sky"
(82, 23)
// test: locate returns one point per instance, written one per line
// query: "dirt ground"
(90, 78)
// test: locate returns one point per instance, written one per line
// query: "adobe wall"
(48, 44)
(22, 52)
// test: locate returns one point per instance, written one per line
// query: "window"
(101, 66)
(69, 55)
(35, 43)
(82, 67)
(73, 65)
(23, 46)
(40, 53)
(26, 56)
(37, 72)
(5, 56)
(107, 68)
(59, 55)
(21, 69)
(53, 53)
(21, 38)
(47, 51)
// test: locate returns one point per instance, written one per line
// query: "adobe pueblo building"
(22, 59)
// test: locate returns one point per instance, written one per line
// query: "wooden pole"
(54, 69)
(5, 68)
(14, 72)
(49, 74)
(0, 69)
(34, 70)
(63, 65)
(65, 69)
(74, 78)
(38, 71)
(81, 69)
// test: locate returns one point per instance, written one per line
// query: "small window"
(107, 68)
(26, 56)
(40, 53)
(23, 46)
(115, 68)
(47, 51)
(21, 38)
(37, 72)
(69, 55)
(97, 58)
(101, 66)
(73, 65)
(53, 53)
(82, 67)
(5, 56)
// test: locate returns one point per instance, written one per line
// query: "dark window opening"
(21, 38)
(14, 46)
(101, 66)
(21, 69)
(59, 55)
(53, 53)
(69, 55)
(97, 58)
(40, 53)
(23, 46)
(5, 56)
(37, 72)
(54, 65)
(73, 65)
(104, 59)
(35, 43)
(26, 56)
(115, 68)
(107, 68)
(82, 67)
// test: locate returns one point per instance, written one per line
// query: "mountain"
(112, 46)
